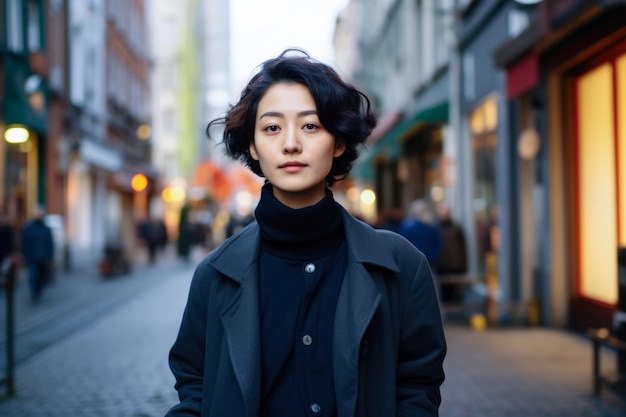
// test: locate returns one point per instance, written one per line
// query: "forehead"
(287, 93)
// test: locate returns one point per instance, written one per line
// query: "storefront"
(566, 83)
(24, 137)
(598, 160)
(485, 180)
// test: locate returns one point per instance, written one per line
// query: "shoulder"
(380, 247)
(233, 257)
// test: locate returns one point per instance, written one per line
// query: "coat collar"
(358, 300)
(362, 243)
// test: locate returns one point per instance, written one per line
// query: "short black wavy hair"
(342, 109)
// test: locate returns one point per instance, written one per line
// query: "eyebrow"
(279, 114)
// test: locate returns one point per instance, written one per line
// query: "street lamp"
(16, 134)
(139, 182)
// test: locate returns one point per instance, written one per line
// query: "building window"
(443, 23)
(34, 26)
(15, 28)
(469, 77)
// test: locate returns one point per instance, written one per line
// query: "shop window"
(597, 164)
(621, 146)
(483, 124)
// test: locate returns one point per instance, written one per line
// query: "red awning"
(522, 75)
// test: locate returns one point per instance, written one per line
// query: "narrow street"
(113, 360)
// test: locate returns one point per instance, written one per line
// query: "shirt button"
(316, 408)
(309, 268)
(307, 340)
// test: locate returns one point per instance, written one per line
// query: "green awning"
(17, 108)
(390, 145)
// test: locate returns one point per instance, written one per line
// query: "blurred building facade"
(75, 77)
(512, 113)
(24, 108)
(190, 83)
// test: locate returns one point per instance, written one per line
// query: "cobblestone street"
(117, 365)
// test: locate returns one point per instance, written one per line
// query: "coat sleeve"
(186, 358)
(422, 348)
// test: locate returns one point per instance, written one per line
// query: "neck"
(302, 199)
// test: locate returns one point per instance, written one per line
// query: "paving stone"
(117, 365)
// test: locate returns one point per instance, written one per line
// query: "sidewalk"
(73, 300)
(116, 363)
(522, 372)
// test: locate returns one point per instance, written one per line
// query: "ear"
(340, 148)
(253, 153)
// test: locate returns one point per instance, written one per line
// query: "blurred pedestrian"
(391, 219)
(185, 234)
(453, 256)
(237, 222)
(38, 253)
(307, 311)
(421, 229)
(148, 234)
(160, 233)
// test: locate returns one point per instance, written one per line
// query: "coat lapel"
(358, 300)
(240, 315)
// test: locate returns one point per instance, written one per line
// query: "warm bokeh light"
(437, 193)
(144, 132)
(368, 197)
(16, 134)
(139, 182)
(352, 194)
(174, 194)
(243, 203)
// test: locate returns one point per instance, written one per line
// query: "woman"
(307, 311)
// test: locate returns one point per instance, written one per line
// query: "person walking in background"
(453, 257)
(147, 233)
(185, 234)
(160, 234)
(391, 219)
(38, 253)
(307, 310)
(421, 229)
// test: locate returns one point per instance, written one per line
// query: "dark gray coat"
(389, 344)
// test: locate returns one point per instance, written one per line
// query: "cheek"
(253, 152)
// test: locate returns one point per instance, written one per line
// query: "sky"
(263, 29)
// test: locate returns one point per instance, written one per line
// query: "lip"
(292, 166)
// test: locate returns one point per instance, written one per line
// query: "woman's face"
(294, 150)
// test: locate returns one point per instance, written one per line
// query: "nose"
(292, 142)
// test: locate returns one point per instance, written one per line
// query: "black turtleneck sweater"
(301, 267)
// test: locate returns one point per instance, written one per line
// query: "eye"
(271, 128)
(310, 126)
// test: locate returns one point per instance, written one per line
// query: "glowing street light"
(16, 134)
(139, 182)
(173, 194)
